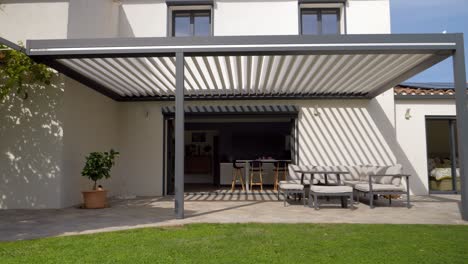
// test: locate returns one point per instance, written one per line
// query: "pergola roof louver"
(234, 109)
(226, 76)
(353, 66)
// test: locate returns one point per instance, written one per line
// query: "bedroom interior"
(442, 155)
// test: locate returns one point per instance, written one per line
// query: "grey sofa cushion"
(395, 169)
(387, 170)
(352, 183)
(364, 187)
(306, 182)
(291, 186)
(330, 189)
(356, 173)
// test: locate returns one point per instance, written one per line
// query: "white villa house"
(184, 88)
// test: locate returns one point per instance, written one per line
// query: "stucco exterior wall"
(93, 19)
(31, 132)
(44, 139)
(278, 17)
(90, 123)
(21, 20)
(411, 135)
(140, 167)
(368, 16)
(31, 143)
(143, 18)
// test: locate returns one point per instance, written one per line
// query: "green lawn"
(251, 243)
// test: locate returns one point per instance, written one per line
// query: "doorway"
(213, 142)
(442, 154)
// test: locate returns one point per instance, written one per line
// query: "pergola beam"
(461, 99)
(242, 45)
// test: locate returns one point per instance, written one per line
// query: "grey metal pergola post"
(179, 136)
(462, 120)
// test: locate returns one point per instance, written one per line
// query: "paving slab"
(221, 208)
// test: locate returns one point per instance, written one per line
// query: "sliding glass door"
(442, 154)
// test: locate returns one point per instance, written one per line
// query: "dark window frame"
(319, 11)
(192, 13)
(452, 121)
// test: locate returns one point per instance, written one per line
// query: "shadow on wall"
(378, 116)
(125, 28)
(351, 133)
(30, 148)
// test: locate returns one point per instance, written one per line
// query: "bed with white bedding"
(440, 175)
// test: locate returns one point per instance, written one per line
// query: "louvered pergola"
(255, 67)
(353, 66)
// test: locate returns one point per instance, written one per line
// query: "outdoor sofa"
(364, 179)
(378, 180)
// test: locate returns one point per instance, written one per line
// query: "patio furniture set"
(345, 182)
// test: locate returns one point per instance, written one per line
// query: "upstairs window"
(187, 23)
(320, 21)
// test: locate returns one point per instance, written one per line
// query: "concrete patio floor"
(220, 208)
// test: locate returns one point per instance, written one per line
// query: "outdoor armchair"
(385, 181)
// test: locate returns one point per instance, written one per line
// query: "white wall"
(411, 135)
(143, 18)
(93, 19)
(43, 140)
(140, 166)
(277, 17)
(31, 133)
(31, 149)
(368, 16)
(90, 123)
(21, 20)
(345, 132)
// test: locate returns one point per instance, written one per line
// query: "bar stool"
(256, 169)
(280, 169)
(237, 176)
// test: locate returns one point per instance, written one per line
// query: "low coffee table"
(331, 190)
(343, 192)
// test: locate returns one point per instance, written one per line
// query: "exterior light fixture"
(408, 114)
(316, 112)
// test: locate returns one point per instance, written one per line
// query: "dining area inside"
(239, 151)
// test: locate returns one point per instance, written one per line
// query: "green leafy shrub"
(18, 71)
(98, 165)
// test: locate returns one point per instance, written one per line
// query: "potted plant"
(98, 166)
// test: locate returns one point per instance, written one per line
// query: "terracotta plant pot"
(95, 199)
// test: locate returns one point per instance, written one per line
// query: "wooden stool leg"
(261, 181)
(239, 173)
(251, 180)
(233, 183)
(275, 188)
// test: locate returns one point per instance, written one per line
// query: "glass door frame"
(452, 120)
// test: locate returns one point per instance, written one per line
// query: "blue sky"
(431, 16)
